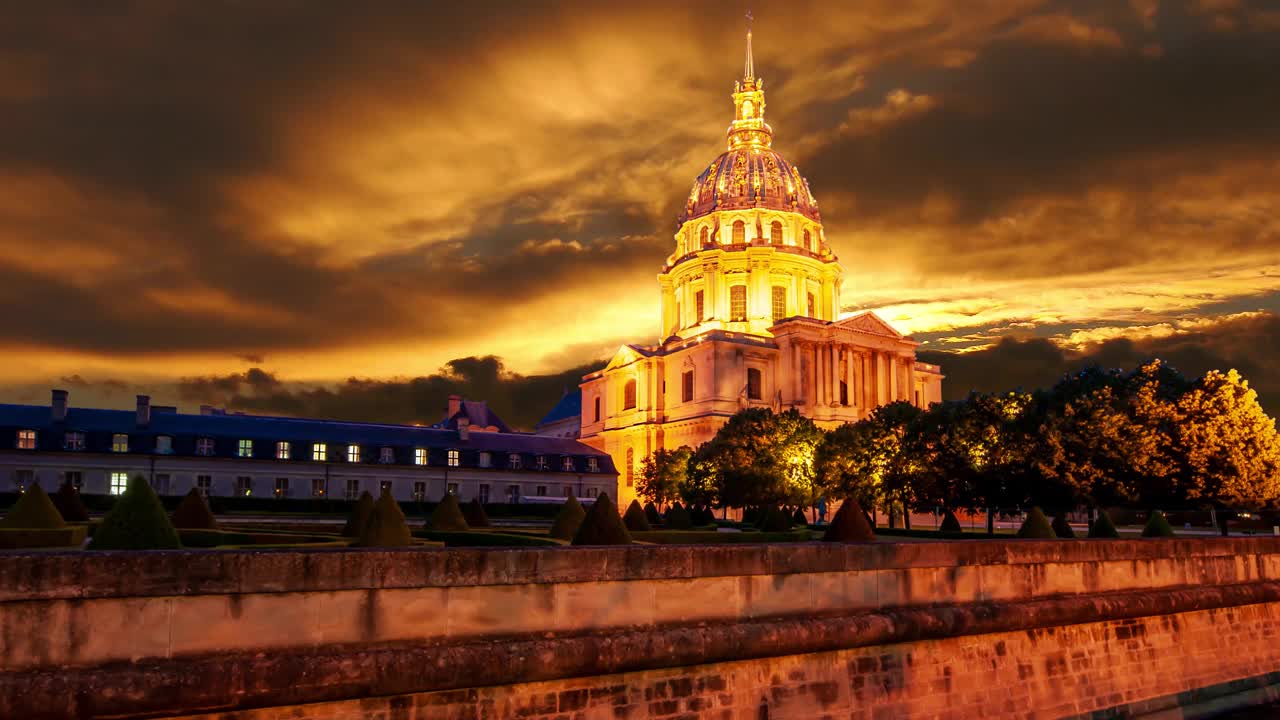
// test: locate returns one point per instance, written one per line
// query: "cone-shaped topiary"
(358, 520)
(473, 512)
(850, 524)
(602, 526)
(799, 517)
(704, 516)
(386, 527)
(1157, 526)
(950, 523)
(447, 515)
(775, 519)
(1036, 526)
(568, 519)
(677, 518)
(193, 513)
(1062, 528)
(751, 515)
(1102, 526)
(33, 511)
(652, 515)
(70, 506)
(136, 522)
(634, 518)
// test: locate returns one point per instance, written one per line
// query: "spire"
(748, 126)
(749, 68)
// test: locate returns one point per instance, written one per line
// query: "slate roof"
(570, 406)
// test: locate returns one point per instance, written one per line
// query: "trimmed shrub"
(950, 523)
(206, 538)
(677, 518)
(602, 525)
(1157, 526)
(1036, 526)
(707, 537)
(137, 522)
(193, 513)
(23, 538)
(33, 511)
(473, 512)
(386, 527)
(703, 516)
(1062, 528)
(651, 514)
(358, 520)
(799, 517)
(849, 525)
(70, 506)
(635, 519)
(447, 515)
(484, 538)
(1102, 526)
(568, 520)
(751, 515)
(774, 519)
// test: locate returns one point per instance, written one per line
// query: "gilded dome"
(750, 176)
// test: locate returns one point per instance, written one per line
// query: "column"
(797, 386)
(894, 390)
(835, 374)
(819, 376)
(782, 371)
(849, 377)
(911, 383)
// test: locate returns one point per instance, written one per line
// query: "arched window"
(753, 383)
(629, 395)
(739, 232)
(775, 233)
(738, 303)
(703, 237)
(808, 241)
(699, 306)
(631, 467)
(779, 302)
(813, 306)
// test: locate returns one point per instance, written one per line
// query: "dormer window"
(26, 439)
(593, 465)
(454, 458)
(120, 443)
(73, 440)
(386, 456)
(245, 449)
(319, 452)
(513, 461)
(486, 460)
(204, 446)
(353, 453)
(282, 450)
(540, 462)
(567, 464)
(164, 445)
(419, 456)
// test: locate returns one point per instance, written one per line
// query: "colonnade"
(813, 371)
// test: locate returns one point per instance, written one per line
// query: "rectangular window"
(593, 464)
(540, 462)
(566, 490)
(26, 439)
(597, 409)
(74, 478)
(483, 494)
(452, 488)
(160, 483)
(164, 445)
(540, 491)
(353, 488)
(753, 383)
(73, 441)
(387, 455)
(813, 306)
(353, 453)
(419, 456)
(244, 485)
(119, 443)
(738, 303)
(513, 494)
(513, 461)
(567, 464)
(699, 306)
(119, 481)
(591, 492)
(629, 395)
(245, 448)
(486, 460)
(386, 487)
(204, 484)
(419, 491)
(454, 459)
(282, 487)
(319, 451)
(686, 386)
(204, 446)
(23, 479)
(779, 302)
(282, 450)
(317, 487)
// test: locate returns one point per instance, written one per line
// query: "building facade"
(750, 316)
(224, 454)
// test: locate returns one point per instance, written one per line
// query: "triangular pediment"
(626, 355)
(869, 322)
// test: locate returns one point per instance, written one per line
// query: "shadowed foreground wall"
(996, 629)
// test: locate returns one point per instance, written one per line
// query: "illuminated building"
(750, 316)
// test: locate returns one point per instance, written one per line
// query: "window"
(631, 461)
(119, 443)
(593, 464)
(591, 492)
(317, 487)
(26, 439)
(779, 302)
(386, 488)
(739, 232)
(73, 441)
(160, 483)
(164, 445)
(753, 383)
(453, 459)
(808, 241)
(597, 409)
(282, 450)
(483, 494)
(245, 448)
(567, 464)
(282, 487)
(686, 386)
(452, 488)
(419, 456)
(387, 455)
(540, 491)
(353, 489)
(74, 478)
(703, 236)
(699, 305)
(486, 460)
(319, 451)
(540, 462)
(119, 481)
(244, 485)
(513, 494)
(419, 491)
(775, 233)
(353, 453)
(738, 303)
(629, 395)
(23, 479)
(566, 490)
(513, 461)
(813, 306)
(204, 484)
(204, 446)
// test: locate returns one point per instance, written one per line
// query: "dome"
(750, 176)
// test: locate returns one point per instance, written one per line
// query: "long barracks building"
(224, 454)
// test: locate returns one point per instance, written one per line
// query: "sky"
(349, 209)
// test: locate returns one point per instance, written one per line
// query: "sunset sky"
(253, 203)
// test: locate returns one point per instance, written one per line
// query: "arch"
(739, 232)
(703, 236)
(737, 303)
(775, 233)
(629, 395)
(808, 240)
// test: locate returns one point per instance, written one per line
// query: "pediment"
(625, 355)
(869, 322)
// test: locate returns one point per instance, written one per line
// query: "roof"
(570, 406)
(478, 413)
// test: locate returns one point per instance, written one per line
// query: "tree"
(662, 474)
(762, 457)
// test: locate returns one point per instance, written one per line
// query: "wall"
(1043, 628)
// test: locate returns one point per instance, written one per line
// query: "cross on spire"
(749, 69)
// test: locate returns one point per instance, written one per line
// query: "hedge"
(484, 538)
(707, 537)
(26, 538)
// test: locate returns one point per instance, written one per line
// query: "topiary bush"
(799, 517)
(193, 513)
(447, 515)
(136, 522)
(1036, 526)
(33, 511)
(950, 523)
(849, 525)
(1157, 526)
(386, 527)
(358, 520)
(751, 515)
(70, 506)
(774, 519)
(704, 516)
(473, 512)
(568, 520)
(677, 518)
(635, 519)
(602, 525)
(1102, 526)
(1062, 528)
(651, 514)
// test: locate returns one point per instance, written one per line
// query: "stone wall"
(1043, 628)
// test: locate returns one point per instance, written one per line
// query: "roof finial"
(749, 69)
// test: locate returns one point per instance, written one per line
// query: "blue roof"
(569, 406)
